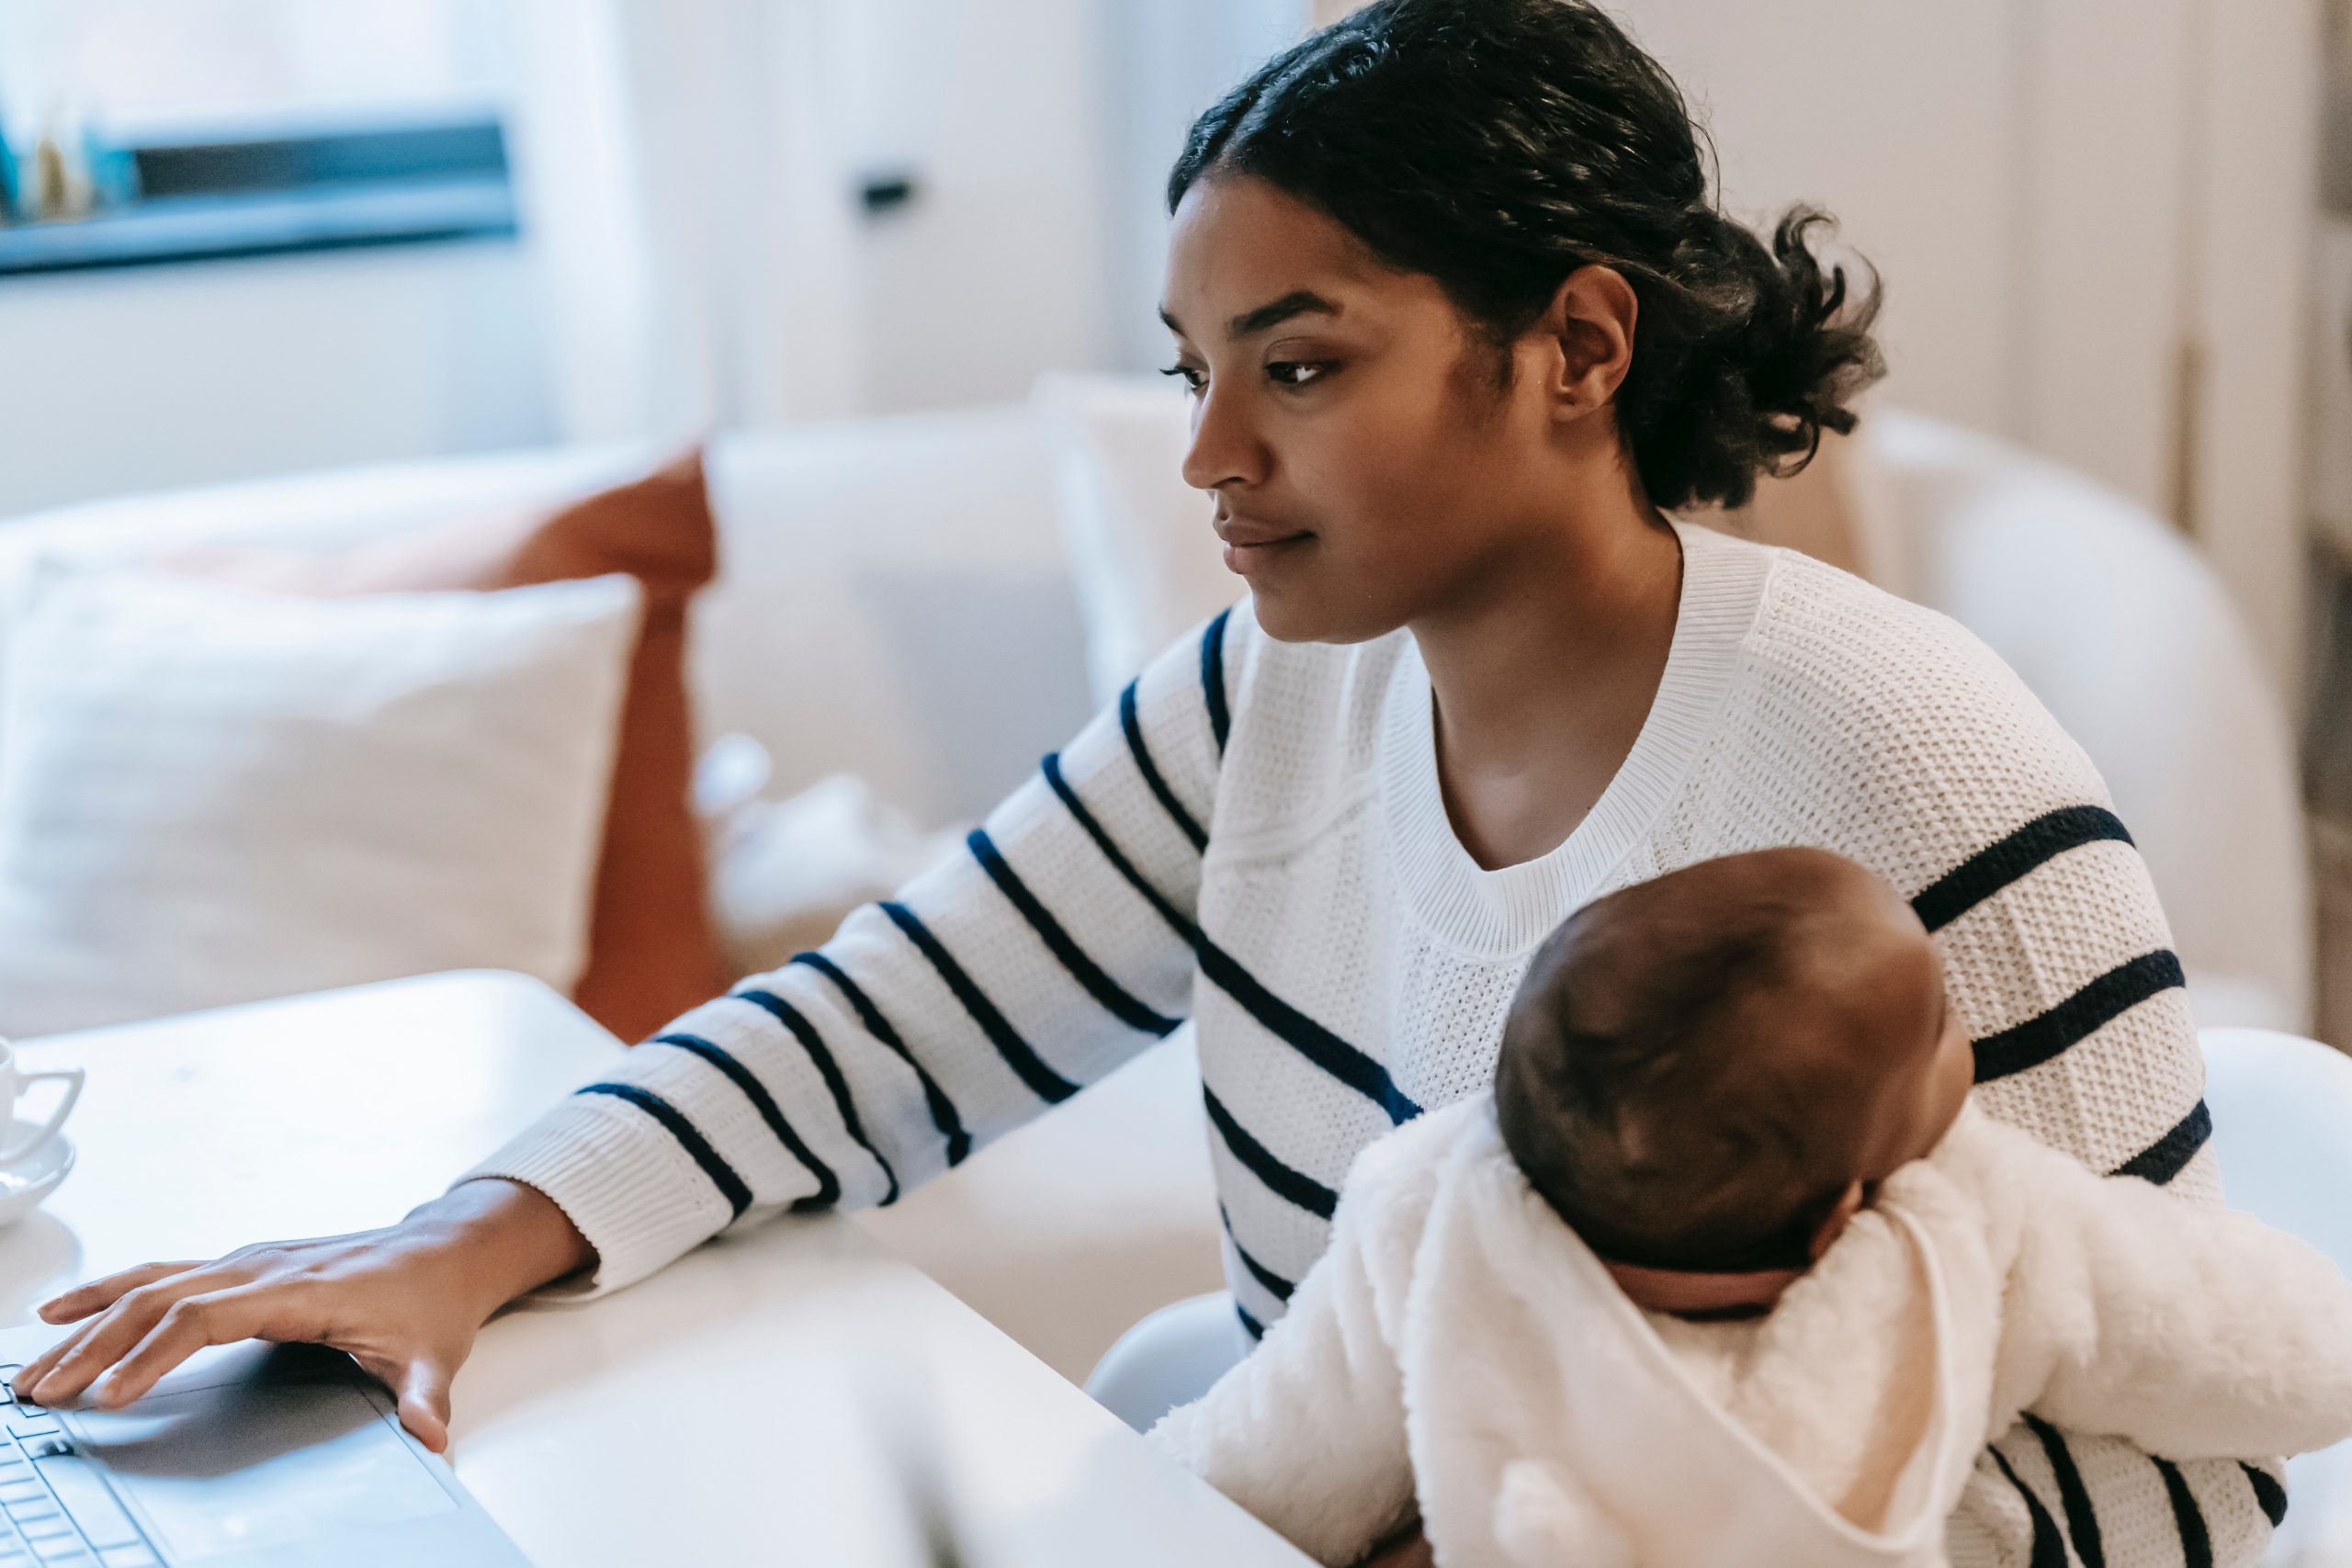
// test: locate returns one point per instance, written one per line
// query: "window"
(145, 130)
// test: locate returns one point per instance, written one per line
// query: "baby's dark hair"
(1498, 145)
(1639, 1087)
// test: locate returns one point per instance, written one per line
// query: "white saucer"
(24, 1184)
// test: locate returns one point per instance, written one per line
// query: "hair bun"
(1775, 349)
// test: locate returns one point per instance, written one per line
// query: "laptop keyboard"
(56, 1510)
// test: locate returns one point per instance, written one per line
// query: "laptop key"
(129, 1557)
(83, 1493)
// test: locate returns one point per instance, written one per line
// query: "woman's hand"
(404, 1301)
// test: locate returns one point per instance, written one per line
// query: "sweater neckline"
(1504, 912)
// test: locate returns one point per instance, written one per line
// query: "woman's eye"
(1191, 376)
(1296, 372)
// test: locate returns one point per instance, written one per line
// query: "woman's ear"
(1587, 333)
(1833, 1225)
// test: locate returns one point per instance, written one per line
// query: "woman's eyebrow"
(1297, 302)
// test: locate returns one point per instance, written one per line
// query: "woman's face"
(1369, 467)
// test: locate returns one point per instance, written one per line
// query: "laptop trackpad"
(261, 1463)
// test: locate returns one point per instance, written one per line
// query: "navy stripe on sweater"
(2049, 1551)
(1276, 1286)
(1213, 677)
(1281, 1179)
(1132, 722)
(829, 1187)
(2166, 1158)
(2195, 1540)
(1990, 870)
(943, 1114)
(1043, 1082)
(1115, 999)
(722, 1175)
(1250, 1325)
(2082, 1520)
(1221, 969)
(791, 1017)
(2039, 1038)
(2269, 1495)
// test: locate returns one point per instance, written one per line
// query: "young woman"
(1463, 327)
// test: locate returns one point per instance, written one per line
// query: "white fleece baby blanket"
(1459, 1349)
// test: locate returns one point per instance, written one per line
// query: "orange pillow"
(651, 951)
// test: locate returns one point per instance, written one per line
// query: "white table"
(726, 1411)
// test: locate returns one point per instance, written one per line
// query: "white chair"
(2282, 1120)
(1169, 1358)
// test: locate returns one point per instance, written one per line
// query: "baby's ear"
(1544, 1518)
(1833, 1225)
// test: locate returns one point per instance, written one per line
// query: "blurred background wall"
(2095, 217)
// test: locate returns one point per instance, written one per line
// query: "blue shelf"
(334, 215)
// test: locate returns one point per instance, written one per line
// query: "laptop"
(248, 1456)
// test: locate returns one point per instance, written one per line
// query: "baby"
(1727, 1269)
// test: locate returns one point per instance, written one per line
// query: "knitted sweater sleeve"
(1055, 944)
(1307, 1432)
(1971, 799)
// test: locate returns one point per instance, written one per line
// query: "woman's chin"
(1288, 615)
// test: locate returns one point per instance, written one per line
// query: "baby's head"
(1707, 1073)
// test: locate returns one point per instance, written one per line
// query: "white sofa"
(894, 601)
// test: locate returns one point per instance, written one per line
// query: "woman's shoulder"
(1885, 681)
(1886, 730)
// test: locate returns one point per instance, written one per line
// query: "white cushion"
(784, 874)
(210, 796)
(1145, 563)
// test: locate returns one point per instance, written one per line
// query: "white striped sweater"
(1254, 837)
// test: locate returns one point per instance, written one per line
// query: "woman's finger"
(80, 1304)
(424, 1402)
(188, 1325)
(28, 1378)
(96, 1295)
(114, 1332)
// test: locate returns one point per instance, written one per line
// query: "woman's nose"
(1225, 450)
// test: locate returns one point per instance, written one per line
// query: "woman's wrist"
(506, 1238)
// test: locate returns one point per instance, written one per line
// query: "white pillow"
(210, 796)
(784, 874)
(1144, 561)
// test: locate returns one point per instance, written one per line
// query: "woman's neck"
(1543, 679)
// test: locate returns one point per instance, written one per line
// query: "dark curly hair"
(1497, 146)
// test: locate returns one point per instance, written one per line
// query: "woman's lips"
(1253, 542)
(1242, 558)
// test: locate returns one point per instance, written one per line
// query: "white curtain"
(690, 213)
(1173, 58)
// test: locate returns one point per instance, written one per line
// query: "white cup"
(14, 1081)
